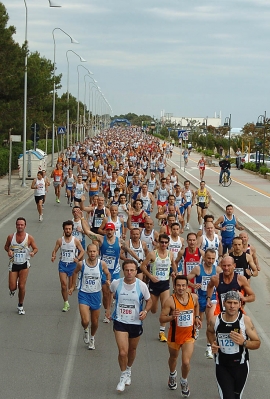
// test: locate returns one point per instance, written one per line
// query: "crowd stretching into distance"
(119, 185)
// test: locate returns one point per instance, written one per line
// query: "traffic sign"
(181, 133)
(185, 136)
(61, 130)
(35, 127)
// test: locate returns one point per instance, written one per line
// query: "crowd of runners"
(119, 185)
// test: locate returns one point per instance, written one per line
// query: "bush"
(263, 170)
(217, 156)
(250, 166)
(208, 153)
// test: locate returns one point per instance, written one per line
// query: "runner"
(232, 334)
(203, 199)
(190, 200)
(227, 224)
(202, 275)
(69, 247)
(244, 263)
(160, 261)
(210, 239)
(182, 311)
(201, 165)
(39, 185)
(57, 175)
(249, 248)
(70, 181)
(20, 247)
(89, 294)
(128, 316)
(226, 281)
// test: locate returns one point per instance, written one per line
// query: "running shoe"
(65, 194)
(187, 226)
(40, 218)
(106, 320)
(197, 333)
(91, 345)
(58, 200)
(184, 389)
(71, 204)
(172, 383)
(128, 378)
(21, 310)
(11, 293)
(122, 383)
(86, 336)
(208, 353)
(68, 200)
(162, 337)
(66, 307)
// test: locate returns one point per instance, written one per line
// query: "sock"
(161, 329)
(20, 305)
(128, 369)
(172, 374)
(92, 337)
(183, 379)
(208, 345)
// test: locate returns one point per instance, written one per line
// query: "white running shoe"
(86, 335)
(172, 382)
(40, 218)
(122, 383)
(208, 353)
(184, 389)
(91, 345)
(187, 226)
(128, 379)
(21, 310)
(106, 320)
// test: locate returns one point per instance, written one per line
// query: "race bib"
(190, 266)
(226, 344)
(109, 260)
(127, 313)
(98, 222)
(19, 258)
(162, 273)
(57, 178)
(205, 281)
(239, 271)
(67, 256)
(134, 224)
(185, 319)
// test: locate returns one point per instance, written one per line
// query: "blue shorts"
(133, 330)
(182, 209)
(69, 188)
(161, 170)
(114, 276)
(135, 195)
(186, 205)
(68, 268)
(92, 193)
(202, 301)
(93, 300)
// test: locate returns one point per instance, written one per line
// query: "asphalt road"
(43, 354)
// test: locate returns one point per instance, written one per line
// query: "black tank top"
(222, 288)
(241, 264)
(230, 354)
(99, 215)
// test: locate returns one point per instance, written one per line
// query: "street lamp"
(78, 99)
(25, 93)
(261, 124)
(54, 50)
(82, 60)
(204, 124)
(227, 123)
(84, 107)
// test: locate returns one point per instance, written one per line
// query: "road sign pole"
(35, 136)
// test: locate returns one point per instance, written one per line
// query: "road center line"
(70, 359)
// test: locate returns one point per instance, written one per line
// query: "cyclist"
(225, 166)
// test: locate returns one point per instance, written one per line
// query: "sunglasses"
(164, 242)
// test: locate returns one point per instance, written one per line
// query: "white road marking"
(230, 202)
(70, 359)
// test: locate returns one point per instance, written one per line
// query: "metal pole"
(264, 134)
(53, 116)
(10, 162)
(35, 136)
(230, 136)
(25, 101)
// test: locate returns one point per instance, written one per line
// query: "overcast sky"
(187, 57)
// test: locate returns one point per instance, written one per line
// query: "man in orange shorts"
(182, 311)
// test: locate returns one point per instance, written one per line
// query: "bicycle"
(226, 180)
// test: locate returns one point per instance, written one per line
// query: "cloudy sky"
(187, 57)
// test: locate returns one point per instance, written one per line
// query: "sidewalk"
(248, 193)
(18, 194)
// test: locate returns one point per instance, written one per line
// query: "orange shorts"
(177, 347)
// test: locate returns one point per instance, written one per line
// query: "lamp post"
(227, 123)
(261, 121)
(53, 5)
(204, 124)
(54, 50)
(78, 99)
(84, 106)
(82, 60)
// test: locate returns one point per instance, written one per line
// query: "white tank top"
(90, 279)
(151, 185)
(146, 202)
(161, 267)
(79, 190)
(20, 251)
(68, 250)
(175, 246)
(78, 234)
(40, 190)
(138, 251)
(148, 239)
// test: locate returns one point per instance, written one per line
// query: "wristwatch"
(140, 261)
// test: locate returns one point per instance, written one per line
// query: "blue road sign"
(181, 133)
(61, 130)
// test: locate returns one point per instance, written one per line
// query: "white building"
(185, 121)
